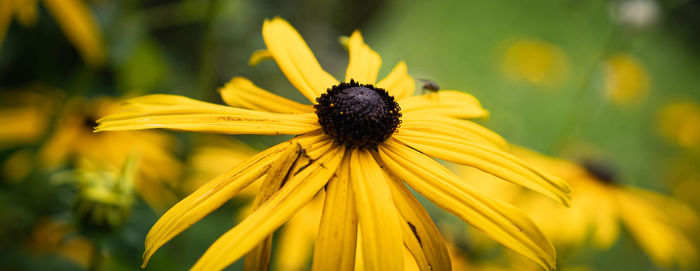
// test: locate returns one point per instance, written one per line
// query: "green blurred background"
(193, 47)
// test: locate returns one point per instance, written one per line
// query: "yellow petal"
(295, 59)
(25, 12)
(241, 92)
(493, 161)
(413, 245)
(364, 62)
(81, 28)
(337, 234)
(657, 235)
(208, 198)
(398, 83)
(277, 175)
(6, 8)
(382, 245)
(452, 127)
(180, 113)
(295, 193)
(502, 222)
(259, 56)
(447, 103)
(296, 239)
(409, 261)
(425, 231)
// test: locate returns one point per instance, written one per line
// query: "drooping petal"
(295, 59)
(241, 92)
(398, 83)
(277, 175)
(295, 193)
(447, 103)
(463, 129)
(180, 113)
(259, 56)
(502, 222)
(81, 28)
(658, 236)
(364, 62)
(208, 198)
(425, 231)
(379, 221)
(493, 161)
(337, 234)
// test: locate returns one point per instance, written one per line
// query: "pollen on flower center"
(600, 170)
(90, 122)
(358, 116)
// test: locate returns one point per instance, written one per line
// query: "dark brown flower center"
(600, 170)
(358, 116)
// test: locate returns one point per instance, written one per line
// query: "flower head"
(626, 80)
(535, 61)
(73, 141)
(349, 143)
(601, 204)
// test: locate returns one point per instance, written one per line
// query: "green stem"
(581, 107)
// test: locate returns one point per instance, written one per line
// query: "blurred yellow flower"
(679, 123)
(57, 237)
(660, 224)
(73, 139)
(213, 155)
(348, 144)
(24, 117)
(626, 80)
(536, 61)
(24, 120)
(73, 16)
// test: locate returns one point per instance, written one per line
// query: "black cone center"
(358, 116)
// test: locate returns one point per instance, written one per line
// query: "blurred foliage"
(567, 78)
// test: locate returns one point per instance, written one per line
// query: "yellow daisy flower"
(536, 61)
(348, 143)
(626, 80)
(73, 139)
(24, 119)
(660, 224)
(679, 123)
(73, 16)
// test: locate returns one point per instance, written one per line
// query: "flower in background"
(213, 155)
(679, 123)
(60, 238)
(626, 80)
(73, 16)
(684, 178)
(349, 144)
(73, 140)
(24, 121)
(661, 225)
(536, 61)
